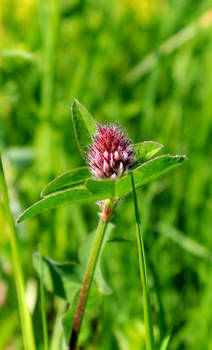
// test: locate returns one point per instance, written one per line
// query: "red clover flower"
(111, 154)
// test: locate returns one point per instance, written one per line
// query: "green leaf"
(104, 188)
(165, 342)
(84, 126)
(146, 150)
(65, 279)
(61, 279)
(64, 197)
(113, 189)
(147, 172)
(84, 252)
(68, 179)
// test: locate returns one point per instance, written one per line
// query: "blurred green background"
(148, 65)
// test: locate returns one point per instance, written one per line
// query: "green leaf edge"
(55, 264)
(64, 187)
(114, 184)
(158, 149)
(75, 102)
(181, 157)
(92, 198)
(95, 197)
(52, 186)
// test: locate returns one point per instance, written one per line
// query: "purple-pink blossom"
(111, 154)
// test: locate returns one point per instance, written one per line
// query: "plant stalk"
(150, 344)
(88, 277)
(25, 317)
(43, 306)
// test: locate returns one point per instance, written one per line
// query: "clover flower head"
(111, 154)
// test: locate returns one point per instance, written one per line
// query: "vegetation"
(148, 66)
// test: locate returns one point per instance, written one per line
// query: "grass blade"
(173, 43)
(26, 321)
(143, 273)
(185, 242)
(157, 289)
(165, 342)
(43, 307)
(16, 53)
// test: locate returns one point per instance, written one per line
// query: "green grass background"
(52, 51)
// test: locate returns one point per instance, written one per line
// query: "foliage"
(97, 46)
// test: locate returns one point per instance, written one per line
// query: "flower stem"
(26, 321)
(88, 277)
(150, 345)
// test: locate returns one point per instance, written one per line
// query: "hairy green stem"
(26, 321)
(88, 277)
(150, 345)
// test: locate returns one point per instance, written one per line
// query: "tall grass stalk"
(43, 307)
(26, 321)
(150, 344)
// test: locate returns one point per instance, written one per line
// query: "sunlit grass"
(88, 56)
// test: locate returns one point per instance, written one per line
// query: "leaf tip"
(181, 157)
(45, 191)
(160, 145)
(19, 218)
(75, 102)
